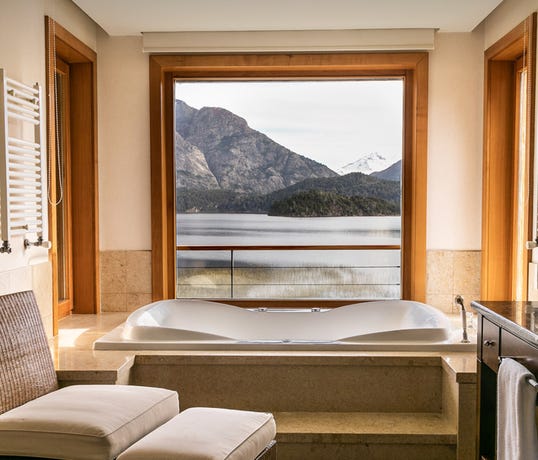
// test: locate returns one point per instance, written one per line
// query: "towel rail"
(22, 174)
(21, 102)
(15, 83)
(25, 160)
(20, 165)
(532, 382)
(22, 118)
(14, 140)
(20, 107)
(23, 151)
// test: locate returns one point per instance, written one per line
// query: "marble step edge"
(365, 427)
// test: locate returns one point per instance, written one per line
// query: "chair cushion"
(208, 434)
(85, 421)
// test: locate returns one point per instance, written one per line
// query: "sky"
(332, 122)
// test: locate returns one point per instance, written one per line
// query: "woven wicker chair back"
(26, 367)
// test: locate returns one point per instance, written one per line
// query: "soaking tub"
(182, 324)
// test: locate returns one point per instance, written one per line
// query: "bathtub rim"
(113, 340)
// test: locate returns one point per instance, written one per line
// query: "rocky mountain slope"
(240, 158)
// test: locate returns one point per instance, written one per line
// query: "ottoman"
(208, 434)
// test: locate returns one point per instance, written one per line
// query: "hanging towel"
(516, 403)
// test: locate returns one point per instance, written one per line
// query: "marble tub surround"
(335, 405)
(450, 273)
(297, 382)
(74, 360)
(72, 350)
(352, 435)
(459, 400)
(125, 280)
(327, 404)
(82, 367)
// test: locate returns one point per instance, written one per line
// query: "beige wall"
(124, 161)
(455, 142)
(22, 55)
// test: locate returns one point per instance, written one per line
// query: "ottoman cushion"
(85, 421)
(206, 433)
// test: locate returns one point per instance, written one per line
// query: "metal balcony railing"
(289, 272)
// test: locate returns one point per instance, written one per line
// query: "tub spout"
(459, 301)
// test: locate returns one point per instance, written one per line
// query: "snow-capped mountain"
(366, 164)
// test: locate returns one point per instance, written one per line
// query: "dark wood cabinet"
(505, 329)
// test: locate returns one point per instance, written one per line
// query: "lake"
(260, 229)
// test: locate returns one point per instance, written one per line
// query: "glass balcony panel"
(289, 274)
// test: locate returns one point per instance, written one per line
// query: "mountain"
(393, 172)
(366, 164)
(224, 166)
(239, 158)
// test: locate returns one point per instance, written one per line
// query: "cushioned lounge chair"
(81, 421)
(38, 420)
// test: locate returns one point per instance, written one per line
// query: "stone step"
(368, 435)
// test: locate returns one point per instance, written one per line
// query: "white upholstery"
(208, 434)
(85, 421)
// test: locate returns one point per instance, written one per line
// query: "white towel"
(516, 403)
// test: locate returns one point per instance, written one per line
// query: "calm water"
(260, 229)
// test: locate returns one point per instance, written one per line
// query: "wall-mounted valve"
(5, 248)
(40, 243)
(532, 244)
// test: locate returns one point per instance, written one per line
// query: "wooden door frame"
(413, 67)
(84, 173)
(66, 306)
(498, 185)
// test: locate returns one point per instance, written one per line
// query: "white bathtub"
(198, 324)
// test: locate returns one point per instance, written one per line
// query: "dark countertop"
(519, 318)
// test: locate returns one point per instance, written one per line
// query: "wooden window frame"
(84, 173)
(499, 217)
(412, 67)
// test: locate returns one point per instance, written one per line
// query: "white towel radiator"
(21, 188)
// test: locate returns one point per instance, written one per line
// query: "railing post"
(232, 273)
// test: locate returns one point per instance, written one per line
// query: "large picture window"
(289, 176)
(309, 163)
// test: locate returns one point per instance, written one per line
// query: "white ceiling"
(131, 17)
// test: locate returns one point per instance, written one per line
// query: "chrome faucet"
(459, 301)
